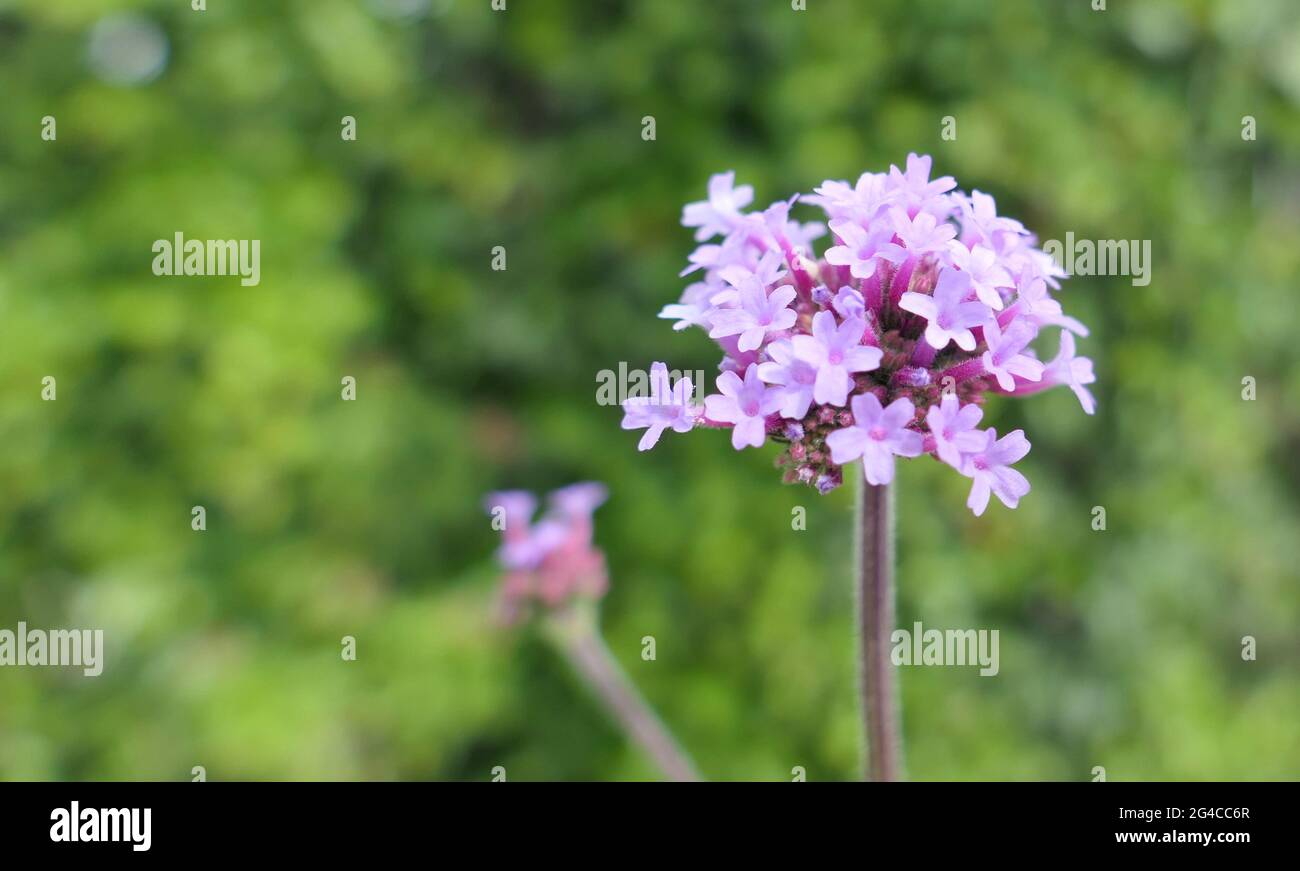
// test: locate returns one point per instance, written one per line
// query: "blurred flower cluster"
(550, 563)
(925, 301)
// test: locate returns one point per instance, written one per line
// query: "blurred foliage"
(477, 128)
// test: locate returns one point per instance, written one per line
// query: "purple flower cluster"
(885, 346)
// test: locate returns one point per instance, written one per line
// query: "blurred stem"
(576, 634)
(874, 546)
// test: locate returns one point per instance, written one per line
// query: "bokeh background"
(1119, 648)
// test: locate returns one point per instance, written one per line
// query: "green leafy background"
(522, 128)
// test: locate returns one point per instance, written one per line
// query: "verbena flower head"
(553, 562)
(923, 302)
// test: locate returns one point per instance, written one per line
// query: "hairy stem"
(972, 368)
(875, 601)
(578, 638)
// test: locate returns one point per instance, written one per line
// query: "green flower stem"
(576, 634)
(874, 547)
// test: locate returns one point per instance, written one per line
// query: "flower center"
(878, 433)
(835, 357)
